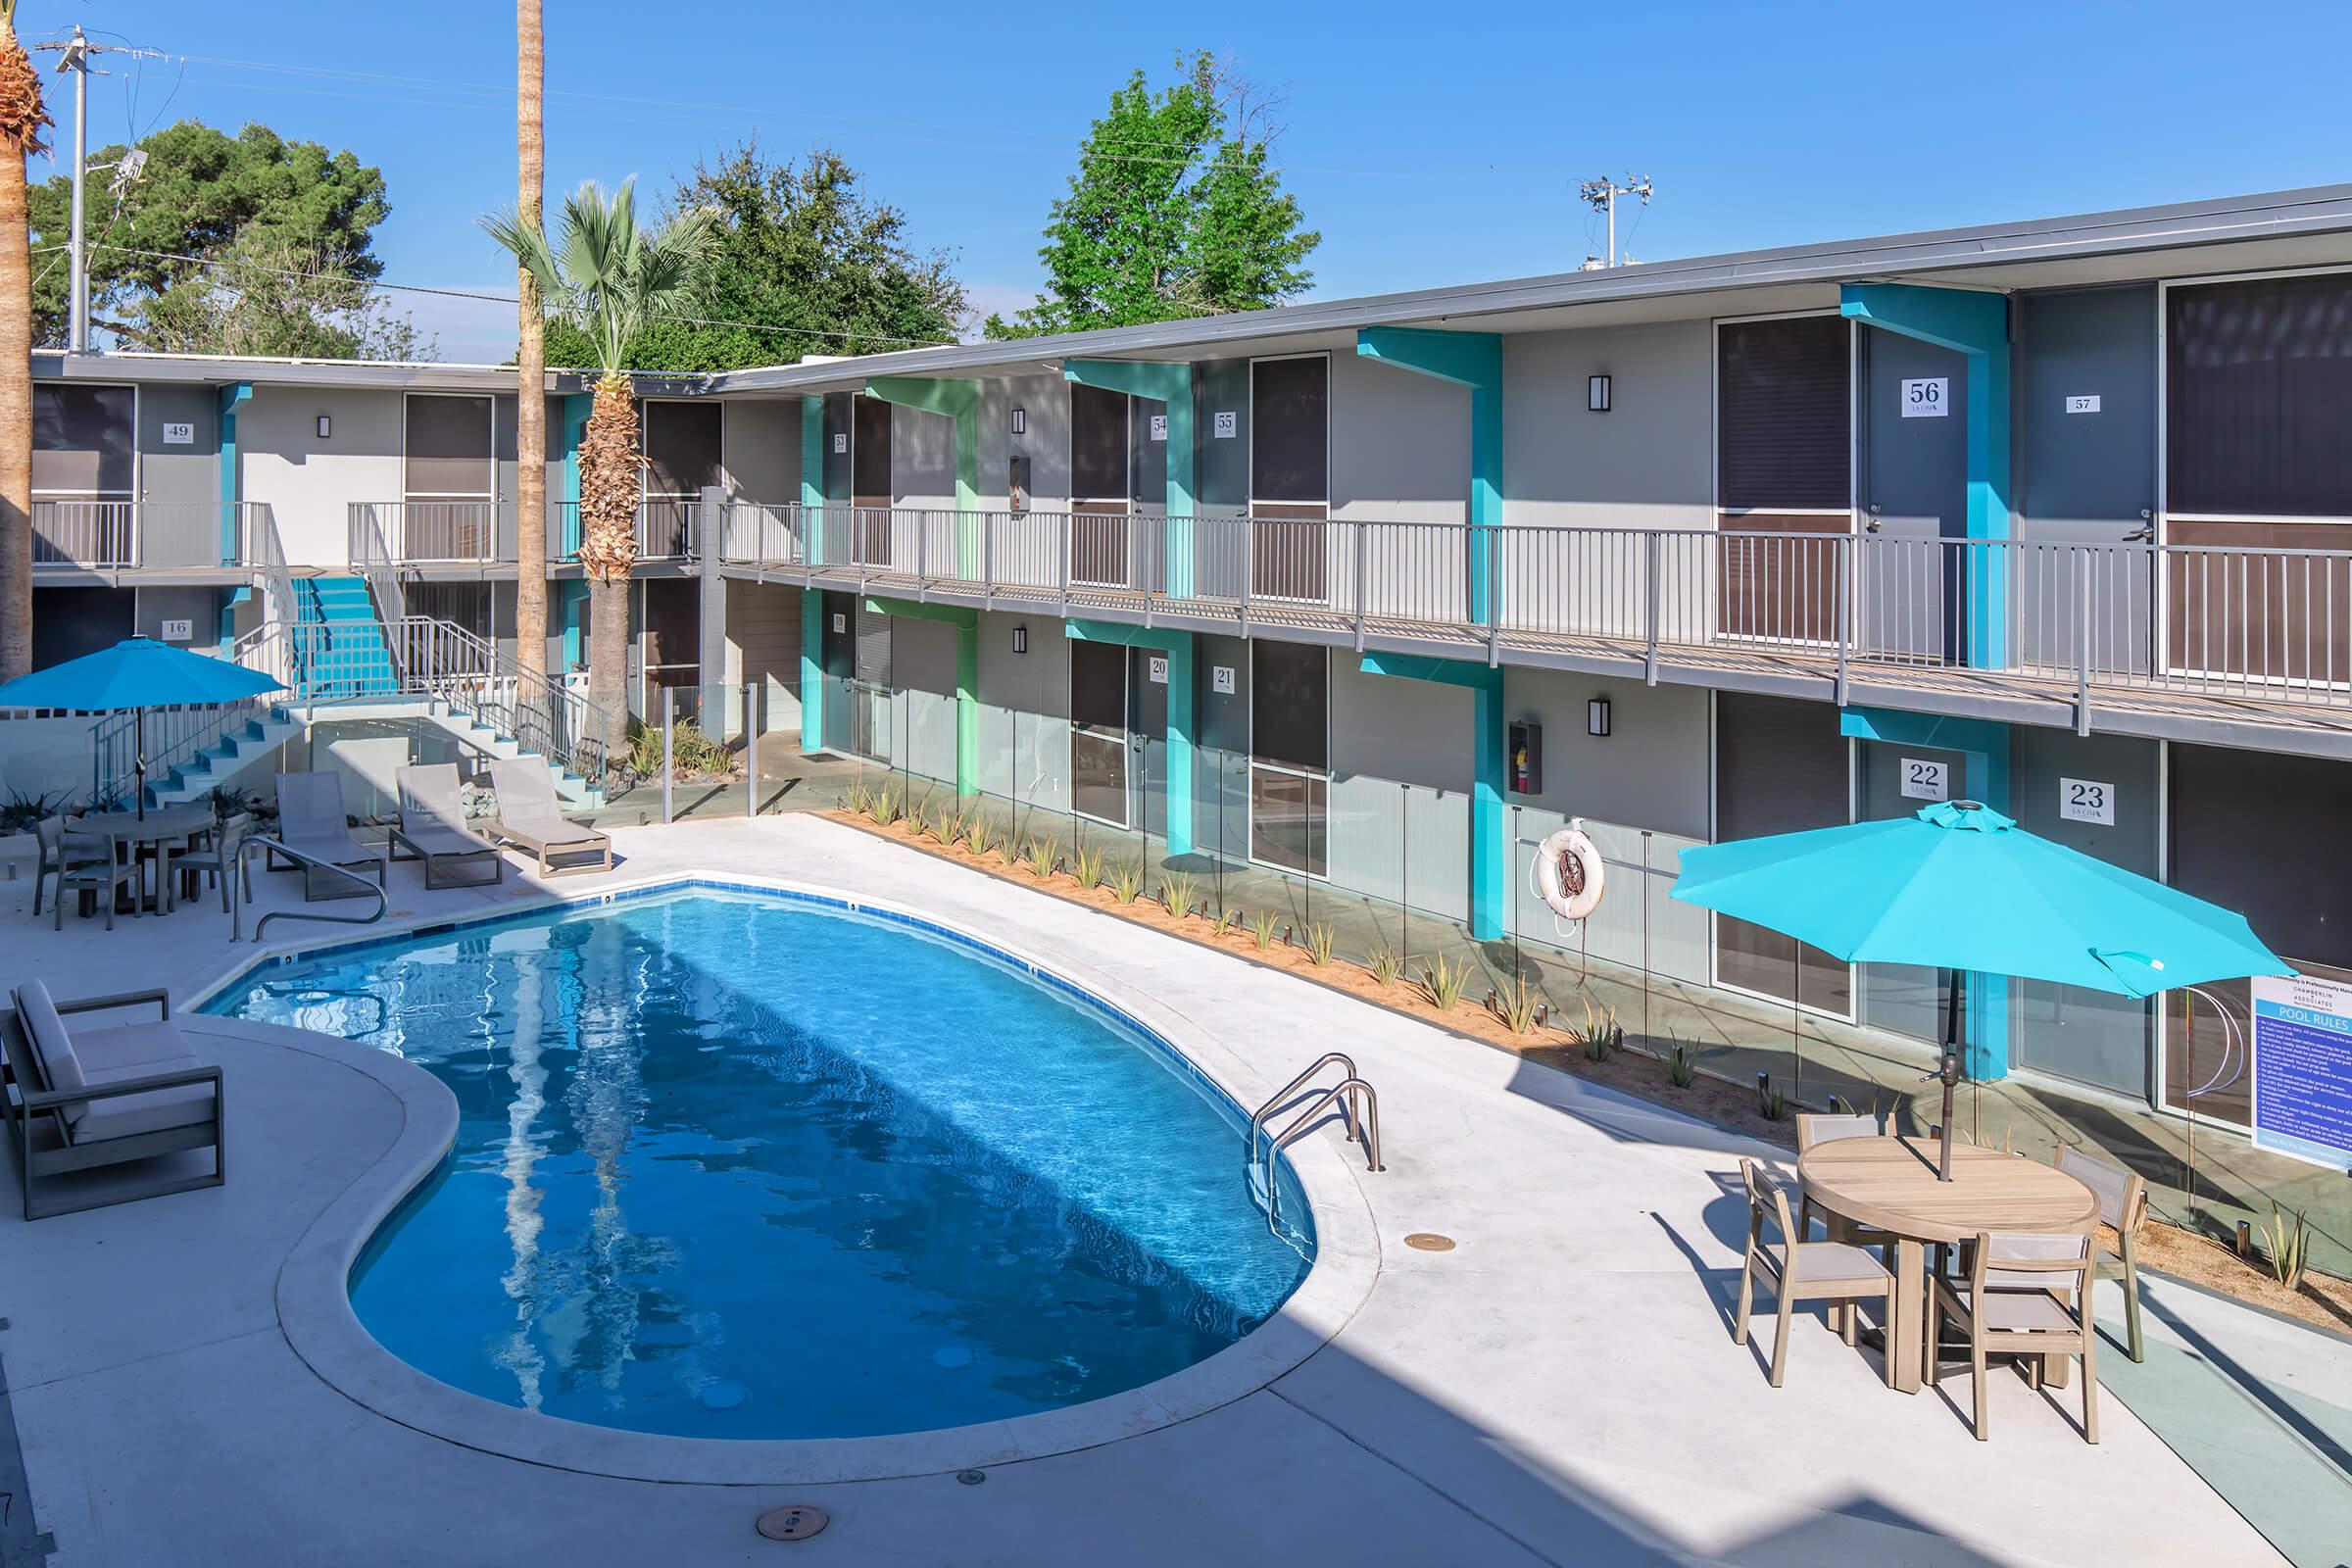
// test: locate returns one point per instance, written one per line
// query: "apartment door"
(1912, 574)
(1783, 489)
(838, 651)
(1099, 487)
(1101, 748)
(870, 491)
(873, 701)
(681, 458)
(672, 656)
(1290, 478)
(1894, 780)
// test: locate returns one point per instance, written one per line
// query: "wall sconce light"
(1596, 393)
(1597, 717)
(1021, 639)
(326, 427)
(1020, 422)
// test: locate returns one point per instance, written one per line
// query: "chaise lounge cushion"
(51, 1046)
(156, 1110)
(112, 1054)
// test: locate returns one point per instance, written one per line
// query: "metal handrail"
(1257, 1118)
(1363, 1123)
(236, 924)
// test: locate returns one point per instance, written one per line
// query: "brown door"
(1099, 508)
(1290, 478)
(870, 491)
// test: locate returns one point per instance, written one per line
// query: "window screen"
(870, 453)
(1289, 429)
(1779, 768)
(1782, 412)
(1290, 704)
(2257, 410)
(2239, 818)
(449, 447)
(81, 439)
(681, 448)
(1097, 444)
(1098, 685)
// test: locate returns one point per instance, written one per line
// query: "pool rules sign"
(2303, 1069)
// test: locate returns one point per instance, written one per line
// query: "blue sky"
(1430, 144)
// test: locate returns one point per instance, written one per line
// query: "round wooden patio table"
(1890, 1183)
(132, 833)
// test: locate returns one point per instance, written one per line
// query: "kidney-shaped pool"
(740, 1164)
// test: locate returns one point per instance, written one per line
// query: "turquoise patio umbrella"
(136, 673)
(1961, 887)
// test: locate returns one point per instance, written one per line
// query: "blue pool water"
(742, 1165)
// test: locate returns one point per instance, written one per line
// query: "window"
(2258, 397)
(1098, 737)
(82, 440)
(1781, 766)
(1290, 476)
(450, 488)
(1098, 486)
(1289, 756)
(870, 486)
(681, 458)
(1784, 418)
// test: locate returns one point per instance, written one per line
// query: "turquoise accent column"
(813, 478)
(1178, 645)
(1172, 384)
(967, 678)
(229, 602)
(958, 401)
(1975, 325)
(571, 597)
(1473, 360)
(1985, 745)
(1490, 844)
(232, 396)
(577, 406)
(813, 670)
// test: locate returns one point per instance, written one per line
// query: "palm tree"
(530, 426)
(609, 278)
(22, 119)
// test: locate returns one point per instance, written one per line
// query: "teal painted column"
(1158, 381)
(813, 601)
(958, 401)
(1473, 360)
(1490, 843)
(967, 678)
(1975, 325)
(577, 406)
(232, 397)
(1985, 745)
(812, 479)
(1178, 645)
(571, 598)
(813, 670)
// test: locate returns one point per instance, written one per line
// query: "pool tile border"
(316, 1314)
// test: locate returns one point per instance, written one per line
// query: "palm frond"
(605, 275)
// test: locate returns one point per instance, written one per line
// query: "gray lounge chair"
(432, 829)
(311, 820)
(530, 819)
(108, 1096)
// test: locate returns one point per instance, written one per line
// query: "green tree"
(802, 256)
(264, 297)
(1174, 211)
(200, 192)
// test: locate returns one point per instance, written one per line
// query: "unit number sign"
(841, 442)
(179, 435)
(1228, 424)
(179, 631)
(1923, 780)
(1927, 397)
(1159, 427)
(1159, 670)
(1220, 679)
(2087, 799)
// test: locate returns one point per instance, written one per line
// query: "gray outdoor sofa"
(108, 1096)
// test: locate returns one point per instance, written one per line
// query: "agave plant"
(2285, 1240)
(1517, 1007)
(1086, 866)
(1176, 892)
(1228, 921)
(1386, 966)
(1045, 855)
(1681, 1068)
(1318, 942)
(1442, 981)
(1261, 930)
(1126, 883)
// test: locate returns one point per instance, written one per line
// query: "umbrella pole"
(1949, 1070)
(138, 747)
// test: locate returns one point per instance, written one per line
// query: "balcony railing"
(667, 527)
(2271, 625)
(439, 532)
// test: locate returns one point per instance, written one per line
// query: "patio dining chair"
(2027, 1294)
(1798, 1271)
(86, 860)
(224, 856)
(2123, 1210)
(1814, 1128)
(51, 859)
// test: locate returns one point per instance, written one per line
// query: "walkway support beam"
(813, 552)
(232, 397)
(1158, 381)
(1976, 326)
(1490, 844)
(958, 400)
(1178, 645)
(967, 677)
(1473, 360)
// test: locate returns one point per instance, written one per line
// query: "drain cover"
(797, 1522)
(971, 1478)
(1429, 1242)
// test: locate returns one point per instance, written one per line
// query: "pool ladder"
(1359, 1109)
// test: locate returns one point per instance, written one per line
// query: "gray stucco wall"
(1399, 444)
(1647, 464)
(179, 484)
(309, 480)
(199, 607)
(922, 459)
(760, 445)
(1044, 404)
(1024, 710)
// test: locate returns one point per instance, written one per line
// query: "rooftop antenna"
(74, 54)
(1601, 196)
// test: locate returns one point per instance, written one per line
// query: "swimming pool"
(736, 1164)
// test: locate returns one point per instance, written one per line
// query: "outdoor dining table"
(1890, 1183)
(165, 825)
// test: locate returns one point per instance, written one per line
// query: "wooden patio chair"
(1798, 1271)
(2123, 1210)
(2025, 1292)
(1817, 1127)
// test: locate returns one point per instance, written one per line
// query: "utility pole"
(74, 54)
(1601, 196)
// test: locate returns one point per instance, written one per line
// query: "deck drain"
(971, 1478)
(797, 1522)
(1429, 1242)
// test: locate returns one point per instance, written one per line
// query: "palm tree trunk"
(530, 428)
(610, 489)
(22, 116)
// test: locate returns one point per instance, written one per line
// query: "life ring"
(1569, 874)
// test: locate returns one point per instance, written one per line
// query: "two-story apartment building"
(1369, 595)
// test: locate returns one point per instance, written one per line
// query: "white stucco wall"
(308, 480)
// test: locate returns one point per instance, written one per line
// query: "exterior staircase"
(346, 656)
(219, 761)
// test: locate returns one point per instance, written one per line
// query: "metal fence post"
(1358, 531)
(1845, 607)
(669, 706)
(988, 561)
(752, 694)
(1653, 550)
(2083, 643)
(1068, 534)
(1494, 538)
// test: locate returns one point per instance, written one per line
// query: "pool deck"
(1559, 1388)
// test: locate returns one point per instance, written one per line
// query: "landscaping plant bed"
(2164, 1249)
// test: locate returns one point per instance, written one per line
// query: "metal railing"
(2270, 624)
(85, 532)
(438, 533)
(666, 529)
(309, 864)
(121, 533)
(172, 736)
(1359, 1111)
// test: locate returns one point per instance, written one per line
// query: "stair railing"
(372, 558)
(480, 680)
(171, 735)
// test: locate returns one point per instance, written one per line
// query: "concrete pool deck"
(1560, 1389)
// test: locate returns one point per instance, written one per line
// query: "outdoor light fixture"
(1597, 717)
(1020, 422)
(326, 427)
(1596, 393)
(1021, 639)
